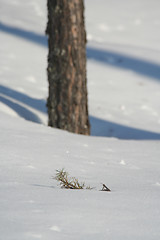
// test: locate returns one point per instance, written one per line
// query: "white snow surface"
(123, 152)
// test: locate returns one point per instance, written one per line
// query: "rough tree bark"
(67, 101)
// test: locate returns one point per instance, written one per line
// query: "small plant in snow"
(69, 182)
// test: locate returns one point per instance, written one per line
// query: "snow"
(123, 152)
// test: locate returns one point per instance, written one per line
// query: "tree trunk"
(67, 101)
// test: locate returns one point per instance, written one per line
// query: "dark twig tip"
(105, 188)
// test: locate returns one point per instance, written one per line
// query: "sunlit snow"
(123, 72)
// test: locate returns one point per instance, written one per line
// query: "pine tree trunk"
(67, 101)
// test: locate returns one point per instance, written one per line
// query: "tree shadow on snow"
(15, 99)
(20, 110)
(27, 35)
(38, 104)
(99, 127)
(117, 60)
(104, 128)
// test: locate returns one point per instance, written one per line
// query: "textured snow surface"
(124, 150)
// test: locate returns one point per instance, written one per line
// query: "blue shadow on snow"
(104, 128)
(117, 60)
(38, 104)
(20, 110)
(8, 97)
(27, 35)
(99, 127)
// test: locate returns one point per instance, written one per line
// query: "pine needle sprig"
(69, 182)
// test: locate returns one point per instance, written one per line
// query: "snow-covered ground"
(124, 149)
